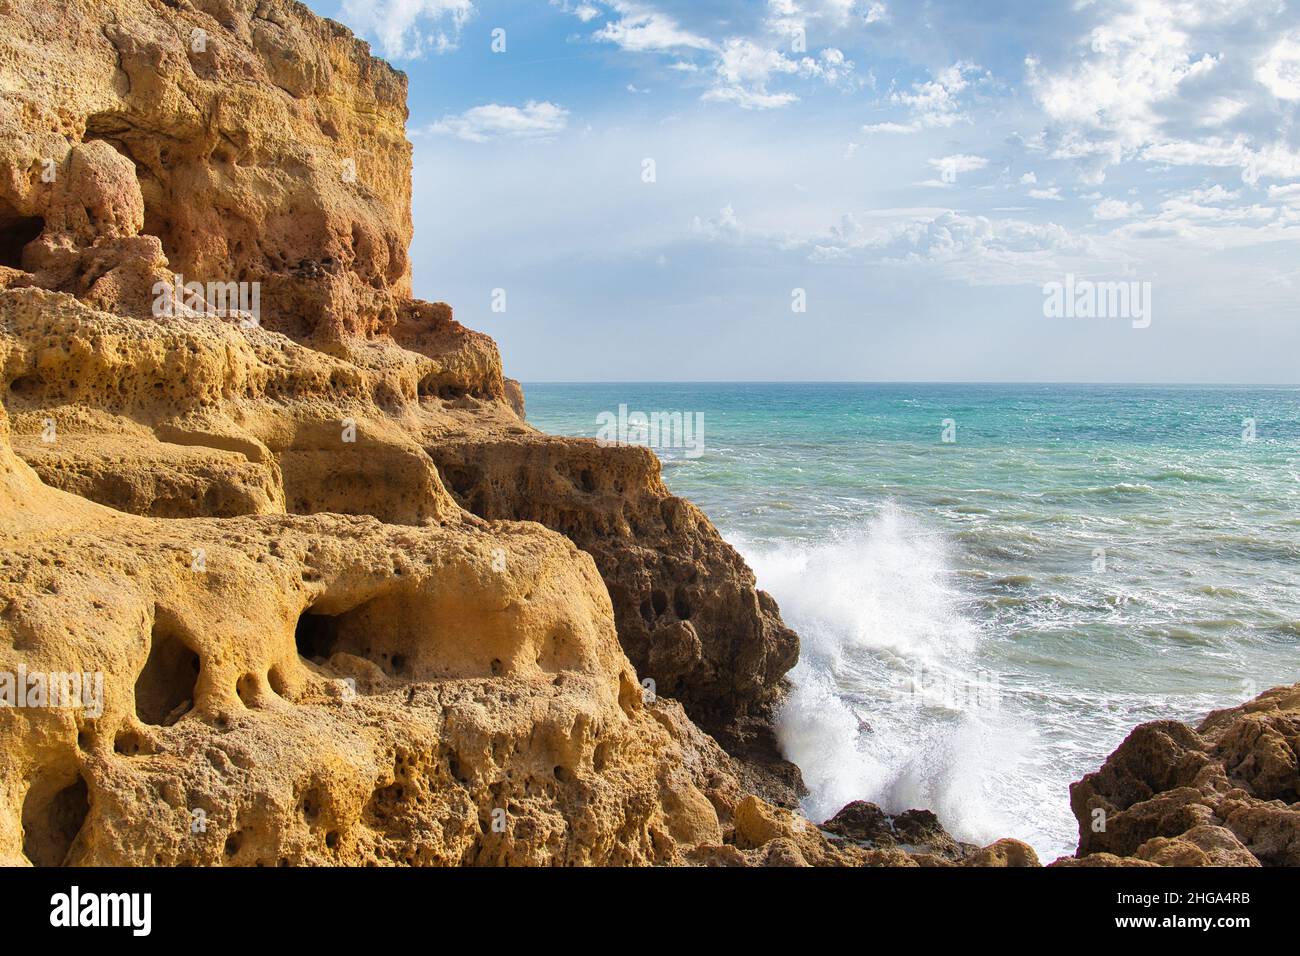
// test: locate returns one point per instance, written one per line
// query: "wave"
(881, 617)
(1192, 477)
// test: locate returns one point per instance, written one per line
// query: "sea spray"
(888, 703)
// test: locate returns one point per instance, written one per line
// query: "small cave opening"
(53, 815)
(357, 631)
(167, 683)
(428, 386)
(466, 484)
(316, 635)
(15, 233)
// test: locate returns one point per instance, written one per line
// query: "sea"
(993, 583)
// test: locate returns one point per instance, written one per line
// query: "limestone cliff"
(230, 515)
(230, 142)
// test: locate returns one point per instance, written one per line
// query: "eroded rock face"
(231, 142)
(309, 651)
(255, 141)
(1224, 794)
(688, 612)
(225, 648)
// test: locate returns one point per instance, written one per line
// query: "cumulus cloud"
(745, 68)
(933, 103)
(1279, 70)
(1181, 82)
(1274, 160)
(532, 121)
(407, 29)
(1289, 193)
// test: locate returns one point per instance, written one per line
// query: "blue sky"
(920, 170)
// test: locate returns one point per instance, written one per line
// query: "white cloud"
(724, 226)
(1213, 194)
(1288, 193)
(1181, 209)
(1028, 179)
(642, 29)
(1219, 111)
(743, 72)
(1115, 209)
(959, 163)
(1150, 71)
(1051, 193)
(534, 120)
(933, 103)
(950, 167)
(1273, 161)
(892, 128)
(973, 249)
(1279, 71)
(407, 29)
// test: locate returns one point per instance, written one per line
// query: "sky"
(856, 190)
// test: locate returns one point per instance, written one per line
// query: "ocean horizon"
(987, 613)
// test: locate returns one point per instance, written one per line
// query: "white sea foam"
(877, 606)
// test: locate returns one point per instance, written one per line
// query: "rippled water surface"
(983, 620)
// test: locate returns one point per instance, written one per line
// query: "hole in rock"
(428, 386)
(279, 683)
(167, 681)
(128, 743)
(660, 601)
(246, 689)
(52, 818)
(466, 483)
(317, 635)
(16, 232)
(363, 631)
(25, 385)
(311, 806)
(681, 605)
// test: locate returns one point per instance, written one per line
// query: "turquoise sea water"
(985, 619)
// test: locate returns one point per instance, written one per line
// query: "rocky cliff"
(294, 540)
(325, 595)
